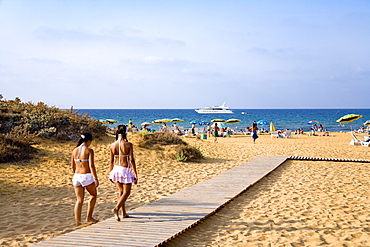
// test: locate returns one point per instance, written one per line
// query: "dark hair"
(121, 130)
(84, 138)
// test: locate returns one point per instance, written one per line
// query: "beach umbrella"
(272, 127)
(145, 124)
(111, 121)
(262, 122)
(218, 121)
(312, 122)
(103, 121)
(220, 125)
(349, 118)
(204, 123)
(233, 121)
(161, 121)
(367, 123)
(193, 122)
(176, 120)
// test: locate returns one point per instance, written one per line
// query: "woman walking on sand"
(254, 129)
(82, 163)
(122, 169)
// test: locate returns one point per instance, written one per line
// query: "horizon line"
(257, 108)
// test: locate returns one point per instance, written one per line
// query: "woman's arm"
(92, 166)
(133, 163)
(73, 164)
(111, 165)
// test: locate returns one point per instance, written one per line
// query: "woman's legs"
(91, 188)
(124, 192)
(80, 193)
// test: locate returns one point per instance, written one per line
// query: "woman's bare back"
(122, 155)
(81, 156)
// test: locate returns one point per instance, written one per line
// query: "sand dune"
(302, 203)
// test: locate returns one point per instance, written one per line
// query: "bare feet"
(92, 220)
(116, 216)
(125, 216)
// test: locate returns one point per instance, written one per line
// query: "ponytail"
(84, 138)
(121, 131)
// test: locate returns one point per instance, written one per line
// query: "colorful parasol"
(218, 121)
(312, 122)
(233, 120)
(161, 121)
(145, 124)
(349, 118)
(176, 120)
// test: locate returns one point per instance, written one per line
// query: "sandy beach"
(300, 204)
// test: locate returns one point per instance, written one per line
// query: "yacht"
(215, 109)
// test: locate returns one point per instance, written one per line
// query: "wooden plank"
(154, 223)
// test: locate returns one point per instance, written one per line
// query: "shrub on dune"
(181, 151)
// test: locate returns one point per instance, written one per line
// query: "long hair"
(121, 130)
(84, 138)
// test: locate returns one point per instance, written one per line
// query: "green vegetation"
(182, 151)
(187, 153)
(21, 122)
(150, 140)
(16, 145)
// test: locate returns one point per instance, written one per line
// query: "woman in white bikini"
(122, 169)
(82, 163)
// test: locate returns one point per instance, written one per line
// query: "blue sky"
(186, 54)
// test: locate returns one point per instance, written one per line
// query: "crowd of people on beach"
(122, 169)
(314, 129)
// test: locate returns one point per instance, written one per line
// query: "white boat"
(215, 110)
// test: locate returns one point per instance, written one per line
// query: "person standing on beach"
(216, 129)
(83, 167)
(122, 169)
(209, 130)
(254, 129)
(193, 129)
(164, 127)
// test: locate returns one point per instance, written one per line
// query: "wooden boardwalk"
(155, 223)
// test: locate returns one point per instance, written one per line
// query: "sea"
(292, 119)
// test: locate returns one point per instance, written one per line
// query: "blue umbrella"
(262, 122)
(204, 123)
(194, 122)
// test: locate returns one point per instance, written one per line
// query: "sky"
(251, 54)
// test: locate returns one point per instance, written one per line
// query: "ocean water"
(281, 118)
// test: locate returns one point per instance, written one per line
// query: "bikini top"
(79, 154)
(119, 153)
